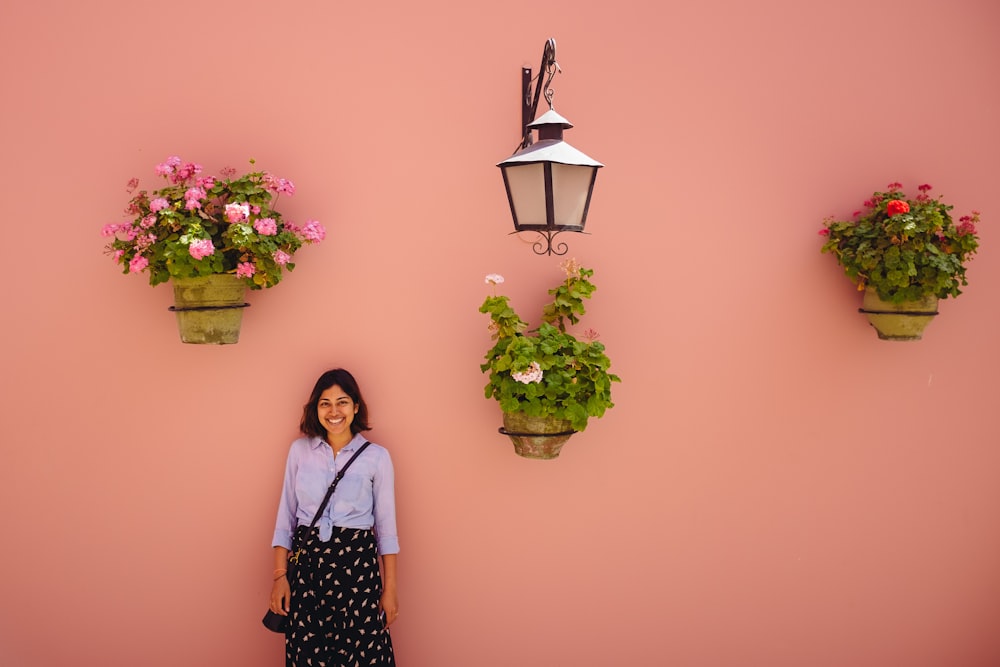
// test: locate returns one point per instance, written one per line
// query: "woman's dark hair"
(310, 424)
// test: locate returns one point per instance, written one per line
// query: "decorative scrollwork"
(546, 72)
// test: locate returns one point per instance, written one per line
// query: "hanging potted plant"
(212, 238)
(547, 382)
(905, 254)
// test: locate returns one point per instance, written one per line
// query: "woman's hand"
(389, 605)
(281, 595)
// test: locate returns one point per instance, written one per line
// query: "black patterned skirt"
(334, 619)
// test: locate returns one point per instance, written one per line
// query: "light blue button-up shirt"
(364, 498)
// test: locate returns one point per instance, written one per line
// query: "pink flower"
(266, 226)
(134, 206)
(313, 231)
(494, 279)
(133, 183)
(201, 248)
(892, 187)
(282, 257)
(924, 188)
(896, 206)
(187, 171)
(158, 204)
(118, 255)
(278, 186)
(143, 241)
(571, 267)
(147, 221)
(590, 335)
(245, 270)
(137, 264)
(533, 374)
(166, 168)
(227, 172)
(109, 230)
(193, 197)
(237, 212)
(205, 183)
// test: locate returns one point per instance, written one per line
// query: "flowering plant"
(548, 372)
(201, 225)
(905, 249)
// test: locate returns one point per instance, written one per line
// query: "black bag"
(276, 622)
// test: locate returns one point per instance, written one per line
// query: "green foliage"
(560, 376)
(906, 250)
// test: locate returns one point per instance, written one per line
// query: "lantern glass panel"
(570, 189)
(526, 183)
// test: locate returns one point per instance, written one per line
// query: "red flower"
(924, 188)
(824, 232)
(892, 187)
(897, 206)
(966, 228)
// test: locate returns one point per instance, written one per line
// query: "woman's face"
(336, 411)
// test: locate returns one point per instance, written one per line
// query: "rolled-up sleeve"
(284, 524)
(383, 488)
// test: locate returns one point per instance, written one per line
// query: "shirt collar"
(355, 442)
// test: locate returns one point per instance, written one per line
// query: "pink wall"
(775, 486)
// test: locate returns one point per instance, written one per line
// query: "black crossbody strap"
(333, 485)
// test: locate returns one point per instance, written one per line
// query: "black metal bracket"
(504, 431)
(181, 309)
(909, 313)
(529, 104)
(544, 245)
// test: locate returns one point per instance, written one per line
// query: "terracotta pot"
(536, 437)
(898, 321)
(209, 309)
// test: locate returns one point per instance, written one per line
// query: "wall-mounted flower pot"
(898, 321)
(536, 437)
(209, 309)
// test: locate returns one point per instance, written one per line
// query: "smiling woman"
(337, 519)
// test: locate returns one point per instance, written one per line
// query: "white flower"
(494, 279)
(533, 374)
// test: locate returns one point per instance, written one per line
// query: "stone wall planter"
(898, 321)
(209, 309)
(536, 437)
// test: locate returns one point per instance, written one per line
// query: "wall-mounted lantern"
(549, 183)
